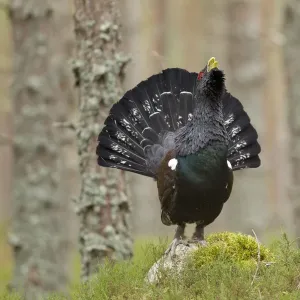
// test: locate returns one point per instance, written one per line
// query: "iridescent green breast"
(204, 169)
(203, 184)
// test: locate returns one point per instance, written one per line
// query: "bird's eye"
(200, 75)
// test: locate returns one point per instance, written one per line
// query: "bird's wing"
(166, 184)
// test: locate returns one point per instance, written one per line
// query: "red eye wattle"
(200, 75)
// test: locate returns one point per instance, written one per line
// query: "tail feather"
(169, 107)
(253, 162)
(186, 106)
(121, 148)
(246, 137)
(108, 158)
(150, 135)
(245, 153)
(128, 120)
(158, 122)
(238, 125)
(116, 133)
(117, 150)
(137, 110)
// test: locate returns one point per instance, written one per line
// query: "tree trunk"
(275, 115)
(146, 44)
(247, 205)
(40, 88)
(5, 122)
(292, 69)
(103, 205)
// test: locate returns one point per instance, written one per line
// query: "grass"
(5, 260)
(222, 278)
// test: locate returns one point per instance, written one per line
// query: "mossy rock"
(236, 248)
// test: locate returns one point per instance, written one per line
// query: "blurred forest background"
(256, 43)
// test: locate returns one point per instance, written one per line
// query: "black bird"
(187, 132)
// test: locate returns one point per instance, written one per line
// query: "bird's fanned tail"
(140, 125)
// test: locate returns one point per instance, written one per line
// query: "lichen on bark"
(39, 234)
(103, 205)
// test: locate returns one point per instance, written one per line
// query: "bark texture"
(103, 205)
(5, 121)
(41, 87)
(292, 68)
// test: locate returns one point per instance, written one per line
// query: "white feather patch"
(229, 164)
(173, 163)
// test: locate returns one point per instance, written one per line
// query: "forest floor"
(221, 279)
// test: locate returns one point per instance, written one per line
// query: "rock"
(168, 263)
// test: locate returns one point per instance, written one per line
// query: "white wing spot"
(173, 163)
(229, 164)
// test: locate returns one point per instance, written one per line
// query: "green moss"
(231, 247)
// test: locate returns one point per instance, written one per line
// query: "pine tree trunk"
(40, 237)
(103, 205)
(5, 122)
(292, 69)
(275, 116)
(146, 44)
(248, 203)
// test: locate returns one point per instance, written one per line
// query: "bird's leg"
(198, 235)
(178, 239)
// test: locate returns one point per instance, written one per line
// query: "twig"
(259, 292)
(258, 258)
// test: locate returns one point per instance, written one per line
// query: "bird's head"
(211, 81)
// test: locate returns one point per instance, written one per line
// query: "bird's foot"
(173, 245)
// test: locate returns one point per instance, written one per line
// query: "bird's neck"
(205, 129)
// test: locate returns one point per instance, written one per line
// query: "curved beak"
(212, 64)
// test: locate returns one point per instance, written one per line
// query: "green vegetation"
(235, 248)
(5, 260)
(226, 269)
